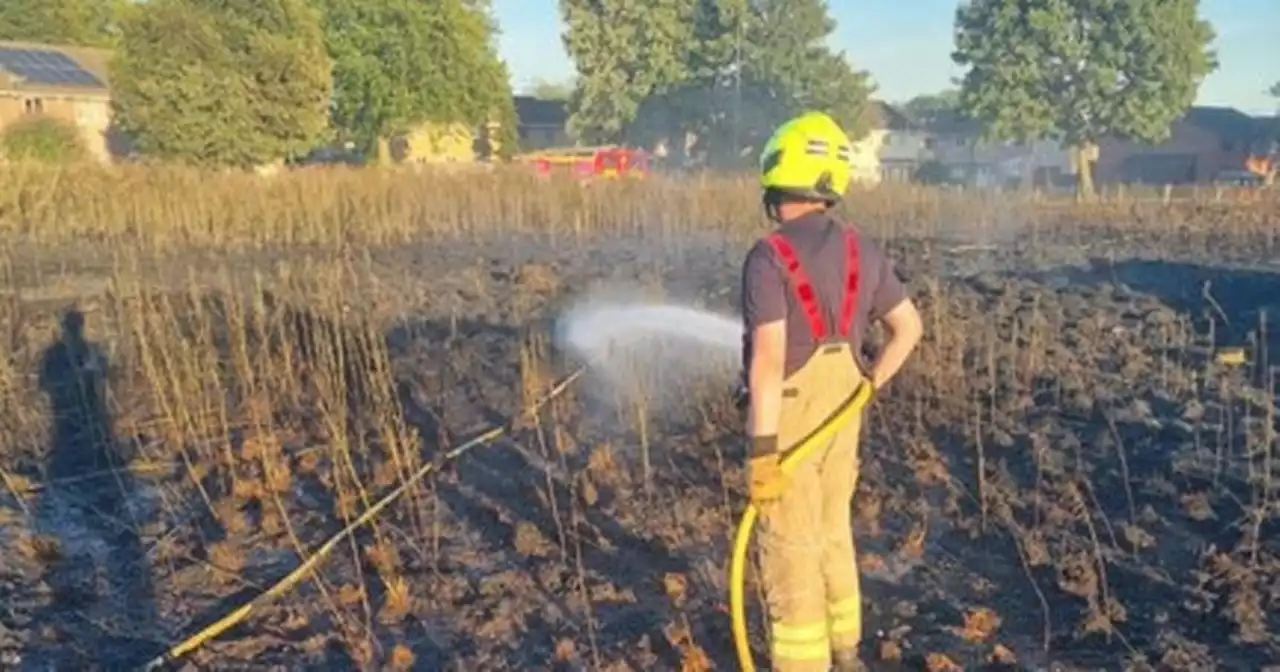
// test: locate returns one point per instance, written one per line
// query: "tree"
(1275, 90)
(1080, 71)
(83, 23)
(785, 50)
(222, 82)
(402, 63)
(624, 50)
(723, 71)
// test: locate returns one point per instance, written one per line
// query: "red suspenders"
(804, 289)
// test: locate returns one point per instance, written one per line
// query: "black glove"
(741, 396)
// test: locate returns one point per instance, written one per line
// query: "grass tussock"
(208, 375)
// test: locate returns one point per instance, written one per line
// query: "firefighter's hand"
(741, 397)
(765, 478)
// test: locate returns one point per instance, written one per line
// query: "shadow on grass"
(87, 508)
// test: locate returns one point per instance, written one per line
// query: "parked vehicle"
(608, 162)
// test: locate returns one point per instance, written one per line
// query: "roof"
(952, 122)
(88, 68)
(537, 112)
(884, 115)
(1269, 127)
(1227, 123)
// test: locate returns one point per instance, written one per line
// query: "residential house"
(441, 143)
(66, 83)
(904, 144)
(883, 121)
(1204, 144)
(542, 123)
(866, 150)
(956, 144)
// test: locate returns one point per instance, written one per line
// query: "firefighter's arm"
(905, 331)
(764, 378)
(765, 372)
(764, 312)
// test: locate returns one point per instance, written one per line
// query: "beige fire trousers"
(809, 568)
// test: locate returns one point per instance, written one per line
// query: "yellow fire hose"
(738, 567)
(284, 585)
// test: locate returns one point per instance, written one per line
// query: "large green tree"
(222, 82)
(624, 50)
(402, 63)
(785, 50)
(1081, 70)
(83, 23)
(722, 71)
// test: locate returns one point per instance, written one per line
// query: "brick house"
(66, 83)
(1204, 143)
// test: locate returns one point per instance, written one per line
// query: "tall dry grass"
(158, 209)
(283, 352)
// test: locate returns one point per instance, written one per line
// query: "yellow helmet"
(808, 156)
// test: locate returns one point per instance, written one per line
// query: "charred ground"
(1068, 473)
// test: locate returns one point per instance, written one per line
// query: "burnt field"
(208, 377)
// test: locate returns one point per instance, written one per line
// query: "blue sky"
(906, 45)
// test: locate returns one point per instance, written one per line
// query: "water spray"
(627, 343)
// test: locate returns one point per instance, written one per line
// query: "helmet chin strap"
(772, 202)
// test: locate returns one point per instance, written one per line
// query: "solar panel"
(83, 78)
(50, 68)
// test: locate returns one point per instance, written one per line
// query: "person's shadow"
(100, 611)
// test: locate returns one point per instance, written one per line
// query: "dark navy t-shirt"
(768, 294)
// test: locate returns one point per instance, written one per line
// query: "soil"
(1068, 475)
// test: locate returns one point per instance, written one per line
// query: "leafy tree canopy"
(723, 71)
(1082, 70)
(84, 23)
(785, 49)
(402, 63)
(624, 50)
(222, 82)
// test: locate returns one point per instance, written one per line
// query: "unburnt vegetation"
(209, 375)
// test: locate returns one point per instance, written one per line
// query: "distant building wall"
(866, 157)
(436, 143)
(1191, 154)
(91, 116)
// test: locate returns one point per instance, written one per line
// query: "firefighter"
(810, 291)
